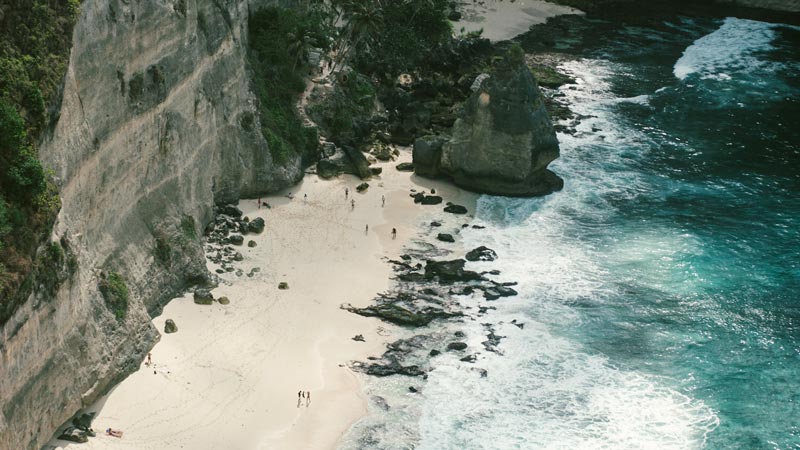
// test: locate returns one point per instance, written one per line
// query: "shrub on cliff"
(279, 43)
(35, 40)
(115, 293)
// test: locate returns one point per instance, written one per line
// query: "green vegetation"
(187, 228)
(549, 77)
(279, 43)
(35, 39)
(115, 292)
(353, 99)
(390, 37)
(162, 251)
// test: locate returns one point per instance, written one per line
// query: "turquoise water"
(659, 289)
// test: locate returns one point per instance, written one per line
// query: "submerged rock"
(481, 253)
(505, 140)
(456, 346)
(445, 237)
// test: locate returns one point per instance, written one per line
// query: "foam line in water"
(731, 48)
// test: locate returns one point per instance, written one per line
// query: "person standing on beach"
(352, 204)
(366, 230)
(383, 201)
(394, 233)
(149, 359)
(299, 398)
(308, 398)
(346, 193)
(259, 202)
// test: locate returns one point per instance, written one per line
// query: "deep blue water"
(660, 290)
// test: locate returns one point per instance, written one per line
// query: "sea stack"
(504, 140)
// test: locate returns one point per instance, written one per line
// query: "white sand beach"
(229, 378)
(504, 19)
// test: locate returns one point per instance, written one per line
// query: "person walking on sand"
(305, 197)
(346, 193)
(149, 359)
(383, 201)
(352, 204)
(366, 229)
(308, 398)
(299, 398)
(394, 233)
(259, 202)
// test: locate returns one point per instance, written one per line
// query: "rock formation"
(157, 122)
(503, 142)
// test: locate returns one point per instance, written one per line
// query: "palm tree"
(299, 45)
(364, 22)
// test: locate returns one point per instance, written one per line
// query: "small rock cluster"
(426, 293)
(226, 232)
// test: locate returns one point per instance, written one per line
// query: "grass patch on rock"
(115, 293)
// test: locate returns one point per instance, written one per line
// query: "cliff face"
(157, 122)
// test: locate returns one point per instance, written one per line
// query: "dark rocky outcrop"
(230, 210)
(393, 368)
(450, 271)
(400, 315)
(456, 346)
(481, 253)
(256, 225)
(359, 162)
(431, 200)
(203, 297)
(505, 140)
(405, 167)
(455, 209)
(445, 237)
(426, 155)
(170, 327)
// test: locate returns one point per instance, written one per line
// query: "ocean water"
(660, 290)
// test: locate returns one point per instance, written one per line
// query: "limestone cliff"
(505, 140)
(157, 123)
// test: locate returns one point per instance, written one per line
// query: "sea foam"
(731, 48)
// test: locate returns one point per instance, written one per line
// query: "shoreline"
(230, 375)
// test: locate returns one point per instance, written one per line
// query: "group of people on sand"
(303, 395)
